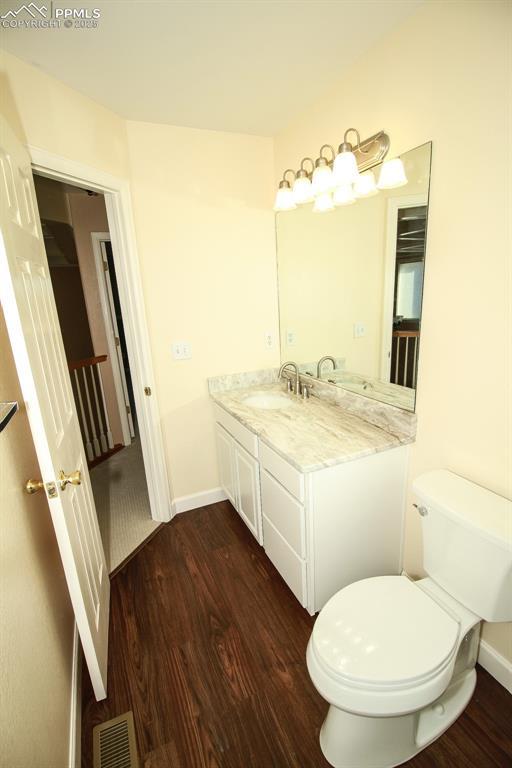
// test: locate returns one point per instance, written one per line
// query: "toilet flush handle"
(421, 509)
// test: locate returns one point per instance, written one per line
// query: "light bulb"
(322, 177)
(365, 185)
(345, 168)
(284, 198)
(302, 190)
(343, 195)
(323, 203)
(392, 174)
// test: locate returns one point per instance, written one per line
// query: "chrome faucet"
(321, 362)
(290, 364)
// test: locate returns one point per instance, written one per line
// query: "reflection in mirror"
(351, 287)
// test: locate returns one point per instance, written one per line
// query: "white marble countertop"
(311, 434)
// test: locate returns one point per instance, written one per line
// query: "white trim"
(196, 500)
(122, 234)
(97, 238)
(394, 205)
(75, 715)
(495, 664)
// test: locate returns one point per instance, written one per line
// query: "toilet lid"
(384, 631)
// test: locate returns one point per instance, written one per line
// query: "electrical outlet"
(359, 330)
(269, 339)
(291, 338)
(181, 350)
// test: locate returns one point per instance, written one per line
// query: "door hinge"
(128, 409)
(147, 391)
(105, 266)
(117, 341)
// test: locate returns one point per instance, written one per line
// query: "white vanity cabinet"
(324, 529)
(240, 474)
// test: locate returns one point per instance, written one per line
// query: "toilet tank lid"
(471, 505)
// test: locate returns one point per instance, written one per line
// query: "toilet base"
(355, 741)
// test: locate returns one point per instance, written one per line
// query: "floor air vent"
(114, 743)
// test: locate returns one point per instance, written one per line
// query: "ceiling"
(248, 66)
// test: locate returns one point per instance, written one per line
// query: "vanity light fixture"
(339, 179)
(284, 197)
(323, 203)
(322, 175)
(365, 185)
(302, 187)
(392, 174)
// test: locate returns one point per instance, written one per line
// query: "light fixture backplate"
(371, 151)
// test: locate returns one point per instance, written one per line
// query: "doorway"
(81, 264)
(403, 289)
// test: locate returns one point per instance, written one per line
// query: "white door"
(249, 505)
(29, 306)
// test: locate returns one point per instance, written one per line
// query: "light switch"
(181, 350)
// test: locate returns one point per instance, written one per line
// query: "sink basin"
(269, 401)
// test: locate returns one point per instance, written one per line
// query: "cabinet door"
(226, 459)
(249, 504)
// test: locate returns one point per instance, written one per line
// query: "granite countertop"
(311, 434)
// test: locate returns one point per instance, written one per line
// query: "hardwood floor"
(207, 647)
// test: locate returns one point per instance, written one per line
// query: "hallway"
(122, 503)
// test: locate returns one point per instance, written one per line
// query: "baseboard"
(185, 503)
(75, 715)
(495, 664)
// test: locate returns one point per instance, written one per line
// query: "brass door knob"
(33, 486)
(74, 478)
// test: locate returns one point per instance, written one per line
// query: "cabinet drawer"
(287, 475)
(284, 512)
(291, 567)
(244, 436)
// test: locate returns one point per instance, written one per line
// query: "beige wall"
(56, 118)
(36, 634)
(205, 230)
(88, 214)
(444, 76)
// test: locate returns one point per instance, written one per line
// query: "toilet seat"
(382, 646)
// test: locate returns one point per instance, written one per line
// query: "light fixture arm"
(309, 160)
(327, 146)
(346, 146)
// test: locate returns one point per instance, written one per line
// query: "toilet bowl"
(383, 652)
(395, 659)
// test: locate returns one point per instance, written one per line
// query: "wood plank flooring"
(207, 647)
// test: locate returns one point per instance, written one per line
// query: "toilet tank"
(467, 542)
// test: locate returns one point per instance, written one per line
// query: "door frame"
(98, 238)
(394, 205)
(117, 197)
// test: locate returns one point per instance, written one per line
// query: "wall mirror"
(351, 286)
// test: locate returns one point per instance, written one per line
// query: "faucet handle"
(289, 385)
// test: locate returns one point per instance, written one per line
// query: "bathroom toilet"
(396, 659)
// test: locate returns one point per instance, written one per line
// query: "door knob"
(33, 486)
(74, 478)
